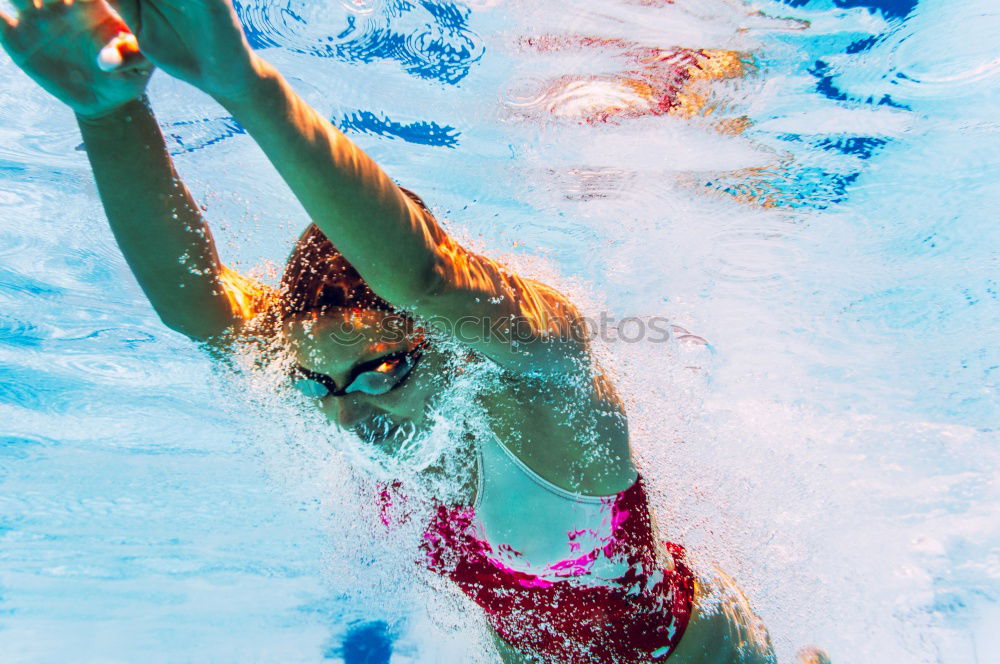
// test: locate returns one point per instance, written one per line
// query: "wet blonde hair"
(318, 278)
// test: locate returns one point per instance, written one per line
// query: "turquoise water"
(823, 424)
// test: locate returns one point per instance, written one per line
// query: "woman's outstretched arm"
(158, 226)
(397, 246)
(156, 223)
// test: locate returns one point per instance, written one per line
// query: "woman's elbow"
(413, 291)
(199, 328)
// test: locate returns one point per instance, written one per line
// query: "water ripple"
(23, 196)
(104, 369)
(420, 132)
(429, 40)
(753, 254)
(927, 67)
(17, 283)
(24, 447)
(192, 135)
(23, 334)
(651, 82)
(787, 184)
(38, 390)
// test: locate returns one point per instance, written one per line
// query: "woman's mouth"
(377, 433)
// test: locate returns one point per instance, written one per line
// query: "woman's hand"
(80, 51)
(200, 42)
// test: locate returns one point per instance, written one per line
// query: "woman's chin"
(396, 451)
(389, 440)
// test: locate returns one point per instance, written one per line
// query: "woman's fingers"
(135, 61)
(121, 52)
(39, 4)
(132, 58)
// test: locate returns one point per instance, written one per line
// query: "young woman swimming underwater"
(558, 546)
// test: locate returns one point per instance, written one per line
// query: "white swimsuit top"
(533, 526)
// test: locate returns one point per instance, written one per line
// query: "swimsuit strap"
(565, 494)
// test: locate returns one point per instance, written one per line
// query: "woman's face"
(355, 353)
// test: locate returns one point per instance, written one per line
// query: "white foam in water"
(821, 424)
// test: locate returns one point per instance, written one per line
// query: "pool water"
(806, 190)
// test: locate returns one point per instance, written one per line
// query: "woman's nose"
(351, 413)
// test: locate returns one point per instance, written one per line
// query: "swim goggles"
(375, 377)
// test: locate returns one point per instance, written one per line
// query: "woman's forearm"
(157, 225)
(387, 238)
